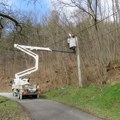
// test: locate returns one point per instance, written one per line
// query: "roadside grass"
(11, 110)
(104, 103)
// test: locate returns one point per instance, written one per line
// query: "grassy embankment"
(11, 110)
(104, 103)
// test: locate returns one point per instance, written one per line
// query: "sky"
(106, 8)
(44, 7)
(39, 9)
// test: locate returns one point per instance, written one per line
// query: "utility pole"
(73, 43)
(78, 64)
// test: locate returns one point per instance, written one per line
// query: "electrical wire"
(89, 27)
(103, 35)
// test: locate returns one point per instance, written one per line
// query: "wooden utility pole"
(78, 64)
(73, 43)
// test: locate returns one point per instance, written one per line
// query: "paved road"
(41, 109)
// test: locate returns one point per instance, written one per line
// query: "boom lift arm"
(27, 50)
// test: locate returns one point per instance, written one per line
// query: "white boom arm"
(27, 50)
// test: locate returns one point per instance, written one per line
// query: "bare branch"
(12, 19)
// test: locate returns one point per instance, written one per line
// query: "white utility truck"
(21, 85)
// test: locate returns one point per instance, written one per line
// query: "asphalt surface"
(41, 109)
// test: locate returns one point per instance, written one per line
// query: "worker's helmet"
(70, 35)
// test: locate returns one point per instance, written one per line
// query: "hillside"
(48, 76)
(98, 42)
(55, 73)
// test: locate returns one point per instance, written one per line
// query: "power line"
(103, 35)
(96, 23)
(85, 28)
(68, 51)
(62, 51)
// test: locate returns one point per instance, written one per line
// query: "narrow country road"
(41, 109)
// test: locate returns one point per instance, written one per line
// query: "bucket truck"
(21, 85)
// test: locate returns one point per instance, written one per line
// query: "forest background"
(94, 22)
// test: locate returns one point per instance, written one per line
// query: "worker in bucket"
(72, 42)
